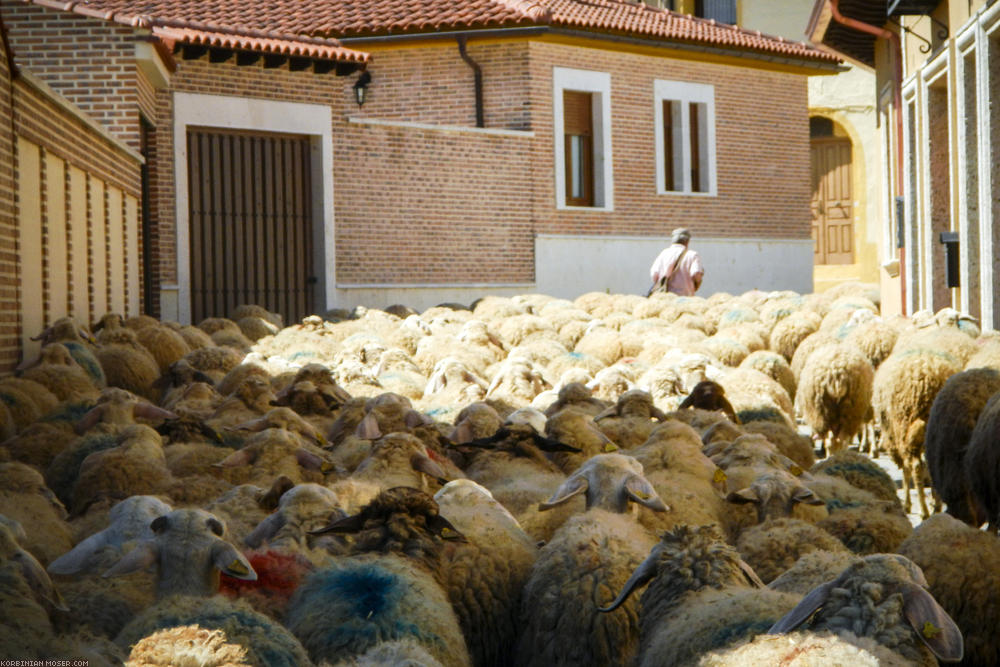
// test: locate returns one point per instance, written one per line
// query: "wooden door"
(832, 201)
(251, 223)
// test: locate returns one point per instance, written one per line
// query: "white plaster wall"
(567, 266)
(422, 297)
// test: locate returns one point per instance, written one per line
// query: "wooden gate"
(832, 202)
(251, 223)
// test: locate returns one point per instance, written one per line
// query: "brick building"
(503, 146)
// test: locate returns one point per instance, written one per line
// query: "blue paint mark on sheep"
(302, 354)
(69, 411)
(833, 504)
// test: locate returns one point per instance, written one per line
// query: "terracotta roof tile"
(288, 47)
(328, 20)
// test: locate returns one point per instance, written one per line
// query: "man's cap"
(680, 235)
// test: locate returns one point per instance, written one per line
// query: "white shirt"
(682, 280)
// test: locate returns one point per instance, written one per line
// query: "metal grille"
(251, 223)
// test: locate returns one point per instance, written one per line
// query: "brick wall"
(8, 225)
(89, 61)
(762, 149)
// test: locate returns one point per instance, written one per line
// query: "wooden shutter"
(250, 223)
(578, 129)
(832, 201)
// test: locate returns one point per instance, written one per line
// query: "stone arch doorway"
(831, 159)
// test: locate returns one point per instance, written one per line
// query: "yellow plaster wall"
(132, 258)
(56, 254)
(29, 242)
(116, 250)
(98, 251)
(78, 260)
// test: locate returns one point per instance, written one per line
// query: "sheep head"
(188, 551)
(881, 592)
(687, 559)
(611, 481)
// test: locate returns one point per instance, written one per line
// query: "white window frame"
(686, 93)
(598, 83)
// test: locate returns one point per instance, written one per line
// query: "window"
(582, 131)
(578, 133)
(685, 138)
(723, 11)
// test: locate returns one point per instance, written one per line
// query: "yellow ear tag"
(795, 470)
(238, 568)
(326, 466)
(930, 630)
(611, 447)
(719, 476)
(643, 496)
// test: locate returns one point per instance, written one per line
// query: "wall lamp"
(361, 87)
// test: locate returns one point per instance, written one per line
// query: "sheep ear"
(750, 575)
(747, 495)
(350, 524)
(75, 560)
(550, 445)
(803, 610)
(608, 412)
(640, 577)
(461, 433)
(368, 428)
(803, 495)
(265, 530)
(571, 487)
(37, 579)
(269, 501)
(641, 491)
(241, 457)
(423, 464)
(308, 460)
(254, 425)
(414, 419)
(89, 420)
(658, 414)
(932, 624)
(231, 562)
(149, 411)
(141, 557)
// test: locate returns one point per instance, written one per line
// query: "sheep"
(834, 393)
(902, 394)
(804, 649)
(589, 555)
(27, 401)
(25, 498)
(252, 398)
(188, 551)
(884, 597)
(134, 466)
(265, 641)
(812, 569)
(399, 459)
(788, 333)
(701, 596)
(38, 444)
(242, 508)
(213, 361)
(58, 372)
(187, 645)
(80, 344)
(711, 396)
(163, 343)
(959, 563)
(476, 420)
(805, 350)
(774, 366)
(389, 588)
(950, 424)
(518, 380)
(577, 429)
(277, 451)
(119, 407)
(775, 545)
(485, 576)
(874, 339)
(27, 597)
(302, 508)
(127, 363)
(859, 471)
(981, 466)
(628, 423)
(786, 441)
(862, 522)
(231, 381)
(128, 522)
(755, 395)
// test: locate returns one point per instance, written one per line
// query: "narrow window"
(685, 138)
(723, 11)
(578, 132)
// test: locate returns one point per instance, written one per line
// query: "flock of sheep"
(612, 480)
